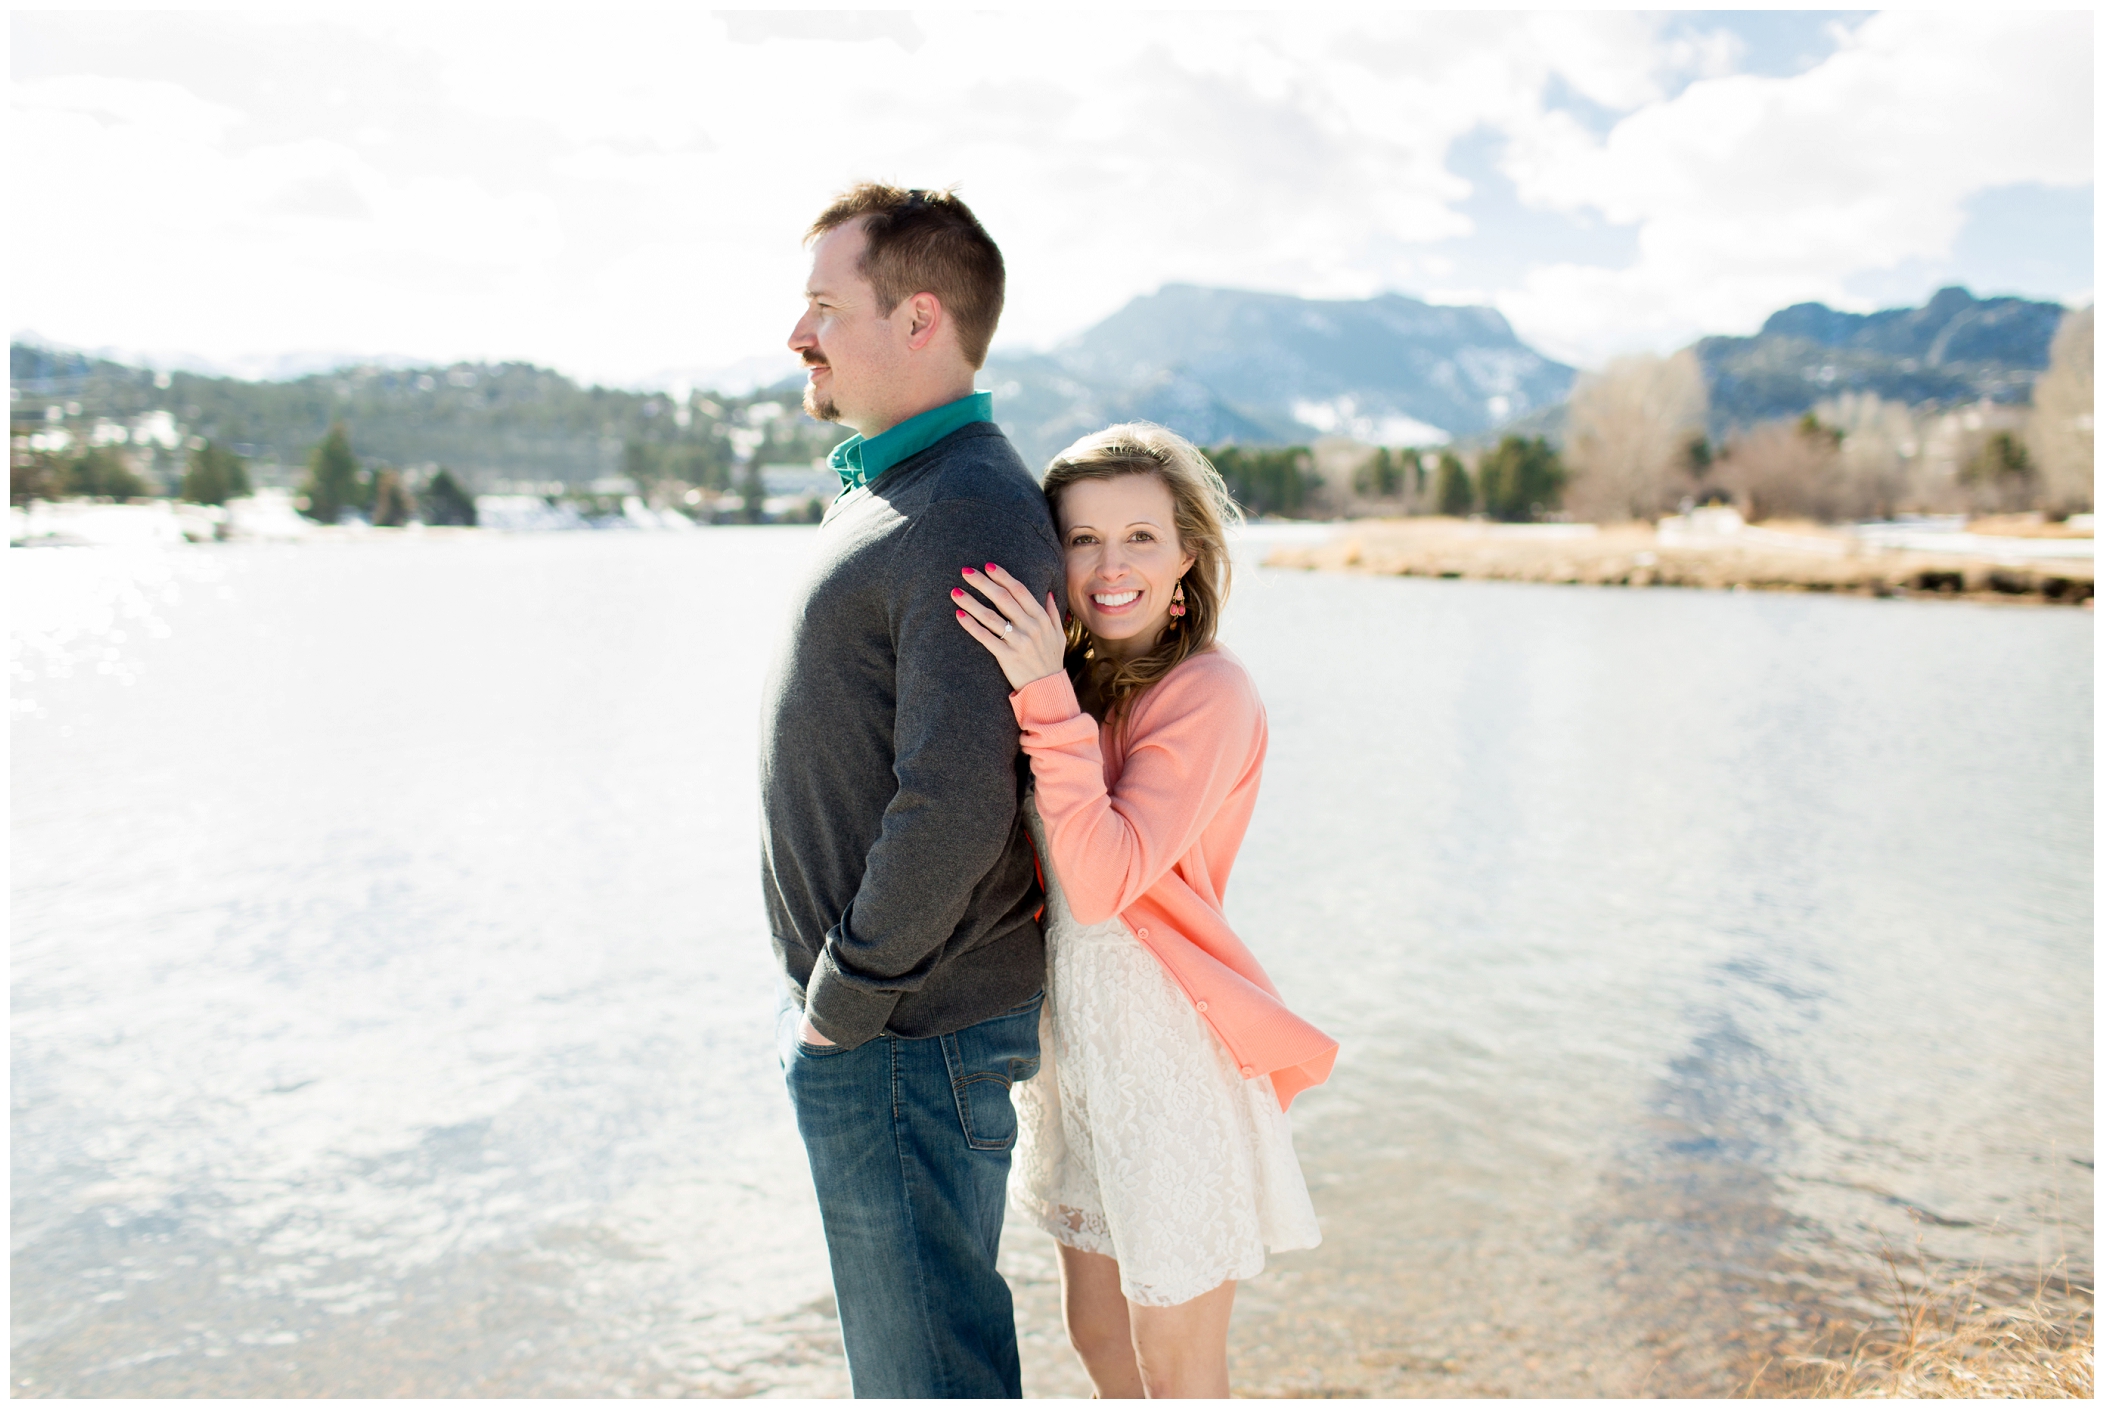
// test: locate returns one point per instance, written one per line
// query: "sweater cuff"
(844, 1008)
(1044, 703)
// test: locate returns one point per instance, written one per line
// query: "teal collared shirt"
(859, 461)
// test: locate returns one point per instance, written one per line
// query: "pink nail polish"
(993, 567)
(971, 572)
(956, 591)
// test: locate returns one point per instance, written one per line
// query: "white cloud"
(192, 241)
(166, 109)
(623, 193)
(1754, 192)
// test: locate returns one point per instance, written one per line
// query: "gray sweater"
(897, 867)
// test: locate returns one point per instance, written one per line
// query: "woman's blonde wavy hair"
(1205, 513)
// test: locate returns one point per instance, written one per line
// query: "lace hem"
(1140, 1139)
(1087, 1233)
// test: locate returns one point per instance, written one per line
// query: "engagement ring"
(1008, 628)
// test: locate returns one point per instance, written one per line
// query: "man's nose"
(801, 336)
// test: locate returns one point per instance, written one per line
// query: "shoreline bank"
(1803, 559)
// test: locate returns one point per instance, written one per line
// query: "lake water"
(391, 1000)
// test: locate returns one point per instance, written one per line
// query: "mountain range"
(1218, 365)
(1955, 348)
(1223, 365)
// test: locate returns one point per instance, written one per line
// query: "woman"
(1155, 1146)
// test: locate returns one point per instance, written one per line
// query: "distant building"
(817, 480)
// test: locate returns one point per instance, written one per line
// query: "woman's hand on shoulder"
(1023, 634)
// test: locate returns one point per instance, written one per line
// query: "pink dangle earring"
(1176, 601)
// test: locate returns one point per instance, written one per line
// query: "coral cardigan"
(1144, 824)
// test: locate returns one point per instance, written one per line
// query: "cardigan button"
(1143, 933)
(1249, 1071)
(1201, 1005)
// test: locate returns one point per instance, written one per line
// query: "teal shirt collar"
(859, 461)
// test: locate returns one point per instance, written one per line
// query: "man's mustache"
(812, 359)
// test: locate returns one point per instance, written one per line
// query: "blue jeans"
(909, 1142)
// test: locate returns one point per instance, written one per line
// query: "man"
(899, 878)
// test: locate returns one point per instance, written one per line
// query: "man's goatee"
(819, 408)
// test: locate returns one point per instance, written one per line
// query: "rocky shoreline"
(1677, 553)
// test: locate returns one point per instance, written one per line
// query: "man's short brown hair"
(925, 242)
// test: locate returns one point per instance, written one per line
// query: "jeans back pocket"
(985, 1061)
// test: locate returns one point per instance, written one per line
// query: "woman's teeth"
(1115, 599)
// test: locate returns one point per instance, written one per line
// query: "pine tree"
(1452, 492)
(1265, 481)
(35, 475)
(102, 473)
(333, 482)
(445, 502)
(753, 488)
(215, 475)
(1386, 475)
(638, 464)
(1520, 479)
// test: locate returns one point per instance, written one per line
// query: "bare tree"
(1340, 466)
(1786, 470)
(1950, 476)
(2062, 434)
(2001, 477)
(1880, 452)
(1632, 426)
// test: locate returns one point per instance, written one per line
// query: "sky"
(621, 195)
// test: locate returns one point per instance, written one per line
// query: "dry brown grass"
(2032, 525)
(1630, 555)
(1957, 1337)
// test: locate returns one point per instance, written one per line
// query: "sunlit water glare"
(391, 999)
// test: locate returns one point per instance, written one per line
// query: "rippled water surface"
(391, 999)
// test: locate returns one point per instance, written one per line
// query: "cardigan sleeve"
(1192, 740)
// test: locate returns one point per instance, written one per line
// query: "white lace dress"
(1141, 1139)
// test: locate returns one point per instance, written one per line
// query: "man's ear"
(924, 319)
